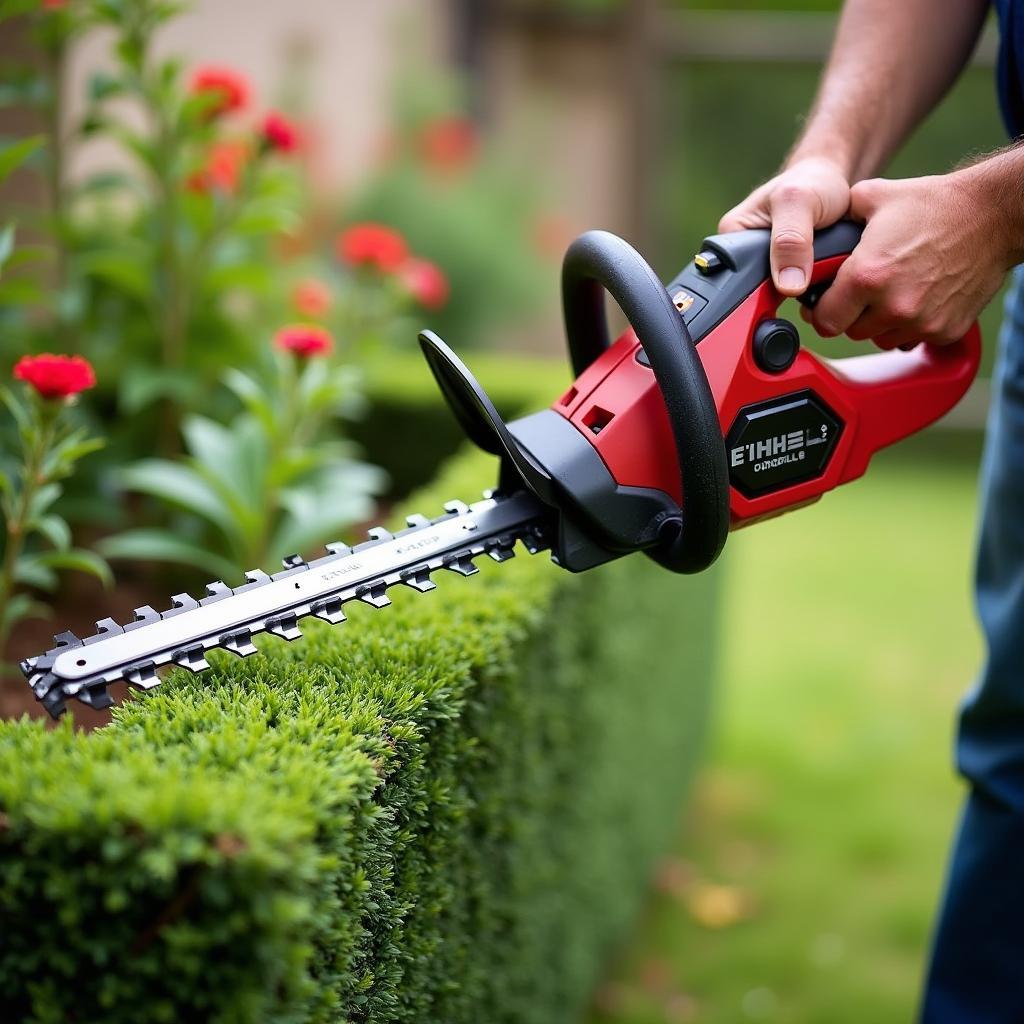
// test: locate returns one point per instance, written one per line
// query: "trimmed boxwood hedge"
(444, 811)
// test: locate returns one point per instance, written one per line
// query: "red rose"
(372, 245)
(279, 133)
(227, 89)
(449, 143)
(55, 376)
(311, 298)
(304, 340)
(222, 170)
(425, 282)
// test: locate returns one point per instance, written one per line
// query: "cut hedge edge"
(446, 810)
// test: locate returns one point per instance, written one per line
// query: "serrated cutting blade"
(228, 619)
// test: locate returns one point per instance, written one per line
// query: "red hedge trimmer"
(705, 415)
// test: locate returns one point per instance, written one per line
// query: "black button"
(776, 344)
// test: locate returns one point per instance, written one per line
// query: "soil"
(82, 600)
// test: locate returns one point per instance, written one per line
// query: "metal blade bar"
(228, 618)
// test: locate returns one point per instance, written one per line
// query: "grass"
(808, 875)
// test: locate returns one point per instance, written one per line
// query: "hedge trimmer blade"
(229, 618)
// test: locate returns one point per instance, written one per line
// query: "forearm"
(994, 188)
(891, 62)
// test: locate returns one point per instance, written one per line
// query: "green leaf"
(150, 545)
(54, 529)
(33, 573)
(234, 461)
(142, 385)
(77, 560)
(103, 85)
(6, 243)
(22, 606)
(26, 254)
(320, 510)
(255, 277)
(18, 409)
(180, 486)
(252, 396)
(43, 499)
(17, 153)
(20, 291)
(126, 271)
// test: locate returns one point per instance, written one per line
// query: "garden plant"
(444, 811)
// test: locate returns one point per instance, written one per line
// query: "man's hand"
(811, 193)
(933, 253)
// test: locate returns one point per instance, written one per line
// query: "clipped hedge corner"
(444, 811)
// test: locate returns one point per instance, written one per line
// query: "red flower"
(449, 143)
(227, 89)
(55, 376)
(311, 298)
(425, 282)
(372, 245)
(279, 133)
(222, 170)
(304, 340)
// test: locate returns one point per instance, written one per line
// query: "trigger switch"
(776, 344)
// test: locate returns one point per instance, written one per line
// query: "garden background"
(809, 858)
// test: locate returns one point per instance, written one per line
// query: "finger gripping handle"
(896, 393)
(597, 262)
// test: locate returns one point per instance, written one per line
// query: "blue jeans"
(977, 968)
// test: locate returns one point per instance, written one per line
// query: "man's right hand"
(810, 193)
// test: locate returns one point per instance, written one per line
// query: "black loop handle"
(599, 261)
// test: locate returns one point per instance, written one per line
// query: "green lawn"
(805, 881)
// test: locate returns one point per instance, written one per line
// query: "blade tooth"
(285, 627)
(456, 507)
(43, 684)
(180, 603)
(54, 701)
(216, 591)
(533, 541)
(143, 616)
(329, 610)
(418, 577)
(141, 675)
(502, 554)
(461, 562)
(415, 521)
(337, 548)
(377, 535)
(239, 643)
(253, 578)
(66, 640)
(375, 595)
(96, 696)
(489, 493)
(193, 658)
(104, 628)
(293, 562)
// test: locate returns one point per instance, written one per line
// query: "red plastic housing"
(881, 398)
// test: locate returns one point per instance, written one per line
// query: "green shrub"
(444, 811)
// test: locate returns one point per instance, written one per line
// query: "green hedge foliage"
(446, 810)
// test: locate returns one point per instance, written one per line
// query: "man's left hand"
(933, 253)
